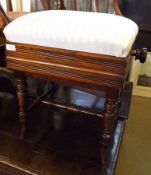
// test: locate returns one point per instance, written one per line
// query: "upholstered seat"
(99, 33)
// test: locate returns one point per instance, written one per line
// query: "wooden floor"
(67, 143)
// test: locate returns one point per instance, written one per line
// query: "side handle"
(140, 54)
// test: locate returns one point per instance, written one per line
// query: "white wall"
(3, 3)
(17, 5)
(146, 68)
(26, 5)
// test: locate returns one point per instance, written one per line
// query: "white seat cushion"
(81, 31)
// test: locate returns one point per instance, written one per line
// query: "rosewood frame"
(86, 70)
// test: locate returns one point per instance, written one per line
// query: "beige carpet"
(135, 153)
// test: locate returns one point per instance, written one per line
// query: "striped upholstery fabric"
(73, 30)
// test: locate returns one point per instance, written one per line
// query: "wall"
(16, 4)
(32, 5)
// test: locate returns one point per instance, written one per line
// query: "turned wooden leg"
(21, 95)
(108, 121)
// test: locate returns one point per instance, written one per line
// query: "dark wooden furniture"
(72, 147)
(5, 79)
(93, 72)
(139, 11)
(46, 4)
(112, 82)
